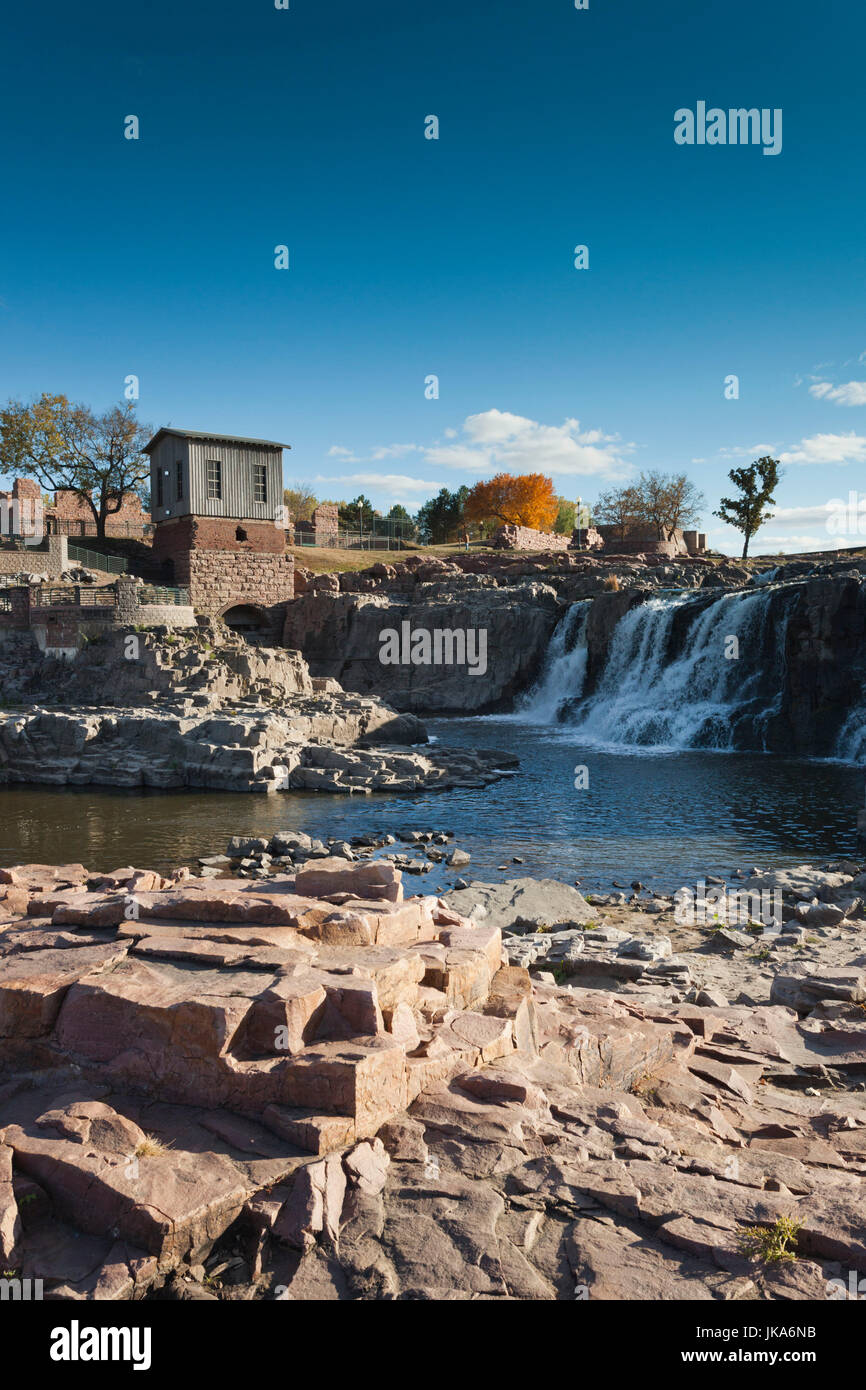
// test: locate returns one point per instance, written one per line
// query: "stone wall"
(525, 538)
(645, 541)
(220, 580)
(21, 510)
(587, 538)
(52, 558)
(72, 513)
(326, 520)
(228, 563)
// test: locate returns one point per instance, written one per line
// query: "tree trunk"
(746, 547)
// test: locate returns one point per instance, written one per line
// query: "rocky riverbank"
(282, 1078)
(168, 710)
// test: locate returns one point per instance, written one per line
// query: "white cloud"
(459, 456)
(502, 442)
(851, 393)
(494, 441)
(493, 426)
(396, 484)
(828, 448)
(394, 451)
(803, 515)
(752, 451)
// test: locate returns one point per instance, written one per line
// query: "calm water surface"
(666, 818)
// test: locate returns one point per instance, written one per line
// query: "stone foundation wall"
(326, 520)
(669, 550)
(645, 542)
(219, 580)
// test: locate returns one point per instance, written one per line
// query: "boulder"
(522, 904)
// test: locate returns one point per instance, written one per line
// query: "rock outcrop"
(161, 709)
(342, 636)
(320, 744)
(316, 1088)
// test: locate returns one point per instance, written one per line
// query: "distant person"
(465, 539)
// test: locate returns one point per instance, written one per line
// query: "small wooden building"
(219, 526)
(194, 473)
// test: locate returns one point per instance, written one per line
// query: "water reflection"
(665, 819)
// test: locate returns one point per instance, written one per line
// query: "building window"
(159, 487)
(214, 479)
(178, 473)
(240, 534)
(260, 482)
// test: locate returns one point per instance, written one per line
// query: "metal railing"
(72, 595)
(151, 594)
(131, 530)
(346, 540)
(93, 560)
(23, 544)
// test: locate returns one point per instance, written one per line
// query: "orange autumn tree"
(526, 499)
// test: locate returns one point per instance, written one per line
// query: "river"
(663, 817)
(640, 779)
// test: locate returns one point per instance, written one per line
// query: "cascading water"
(680, 673)
(851, 743)
(564, 669)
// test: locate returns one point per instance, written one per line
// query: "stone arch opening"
(248, 620)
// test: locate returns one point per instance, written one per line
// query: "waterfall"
(851, 743)
(564, 670)
(680, 672)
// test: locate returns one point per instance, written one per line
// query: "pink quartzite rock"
(34, 984)
(367, 1166)
(10, 1222)
(315, 1204)
(371, 880)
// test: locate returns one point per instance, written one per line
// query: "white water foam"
(646, 698)
(564, 670)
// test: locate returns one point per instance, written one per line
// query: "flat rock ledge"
(316, 1088)
(314, 744)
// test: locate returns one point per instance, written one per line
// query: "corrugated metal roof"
(211, 434)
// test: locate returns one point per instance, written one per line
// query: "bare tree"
(68, 448)
(669, 502)
(300, 501)
(619, 507)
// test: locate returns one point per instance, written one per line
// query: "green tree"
(565, 517)
(357, 514)
(756, 484)
(441, 518)
(68, 448)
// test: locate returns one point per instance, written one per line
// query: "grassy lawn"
(321, 561)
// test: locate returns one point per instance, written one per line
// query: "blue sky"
(453, 257)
